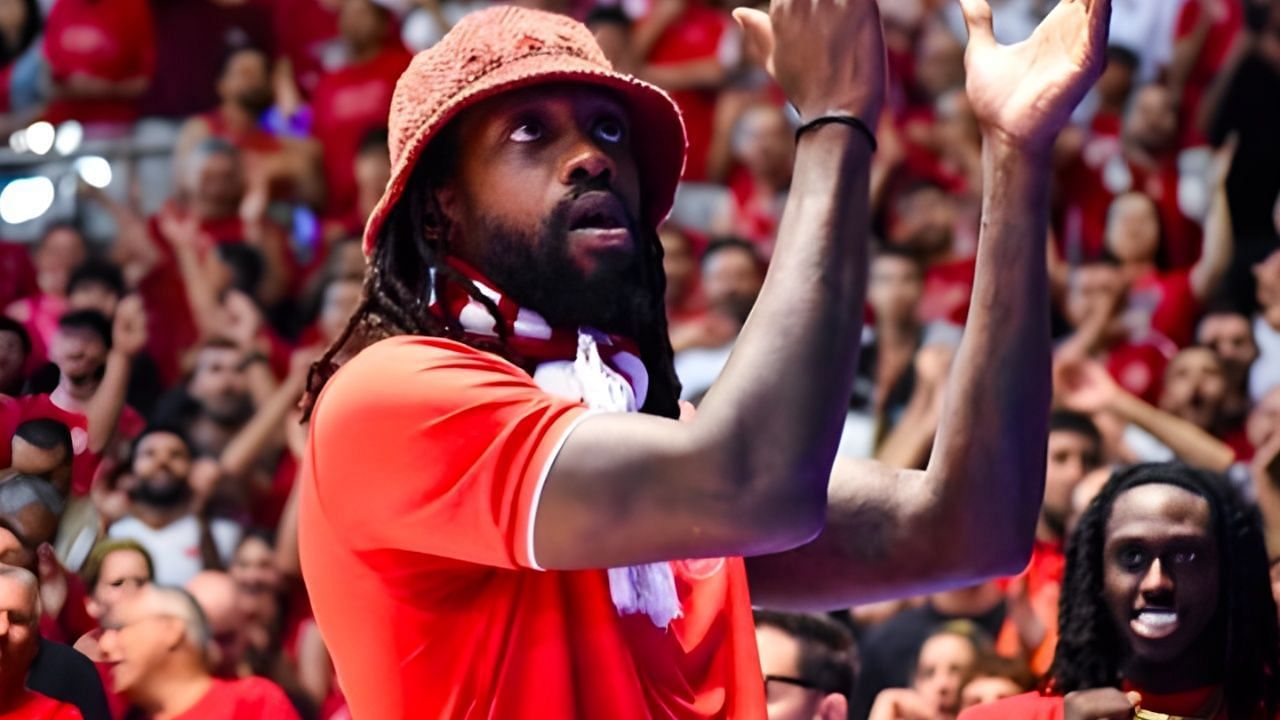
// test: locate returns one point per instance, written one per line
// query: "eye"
(529, 131)
(1131, 558)
(611, 130)
(1183, 557)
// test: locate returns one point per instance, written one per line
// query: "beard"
(255, 101)
(229, 410)
(537, 270)
(169, 494)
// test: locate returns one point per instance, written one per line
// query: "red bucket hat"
(505, 48)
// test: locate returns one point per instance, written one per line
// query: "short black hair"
(8, 324)
(46, 434)
(608, 15)
(1123, 56)
(1074, 422)
(375, 140)
(156, 428)
(90, 320)
(97, 272)
(827, 653)
(246, 265)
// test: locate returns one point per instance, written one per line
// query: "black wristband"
(849, 120)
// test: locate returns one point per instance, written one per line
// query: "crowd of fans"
(150, 379)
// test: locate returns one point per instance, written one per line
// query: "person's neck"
(235, 117)
(1194, 670)
(1045, 532)
(897, 332)
(157, 518)
(73, 396)
(173, 691)
(1134, 270)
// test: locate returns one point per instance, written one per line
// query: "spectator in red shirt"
(101, 56)
(157, 642)
(1205, 34)
(19, 643)
(1167, 597)
(925, 222)
(60, 251)
(1145, 160)
(275, 167)
(539, 217)
(354, 99)
(764, 148)
(1169, 302)
(20, 64)
(808, 665)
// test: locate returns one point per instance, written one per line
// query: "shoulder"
(1028, 706)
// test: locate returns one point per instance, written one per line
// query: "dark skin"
(1161, 553)
(753, 473)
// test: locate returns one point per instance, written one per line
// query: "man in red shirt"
(500, 515)
(354, 99)
(157, 641)
(924, 223)
(19, 643)
(1166, 605)
(102, 58)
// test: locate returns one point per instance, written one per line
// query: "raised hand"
(1085, 386)
(129, 328)
(1026, 92)
(828, 55)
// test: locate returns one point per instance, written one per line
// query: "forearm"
(1186, 440)
(1219, 245)
(991, 441)
(774, 408)
(262, 433)
(103, 411)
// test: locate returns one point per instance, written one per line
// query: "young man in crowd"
(1166, 606)
(531, 219)
(166, 511)
(1230, 336)
(808, 662)
(157, 643)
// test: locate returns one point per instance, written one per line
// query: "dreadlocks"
(409, 263)
(1090, 651)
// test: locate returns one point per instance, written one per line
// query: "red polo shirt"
(34, 706)
(422, 474)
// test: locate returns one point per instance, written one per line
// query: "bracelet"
(849, 120)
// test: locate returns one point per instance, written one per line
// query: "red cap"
(506, 48)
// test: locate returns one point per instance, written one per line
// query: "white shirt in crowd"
(175, 548)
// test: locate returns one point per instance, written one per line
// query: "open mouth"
(1153, 622)
(598, 220)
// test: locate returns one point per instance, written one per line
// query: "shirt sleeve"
(432, 448)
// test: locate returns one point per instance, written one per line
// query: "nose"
(4, 624)
(586, 161)
(1156, 580)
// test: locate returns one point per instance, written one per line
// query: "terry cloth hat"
(505, 48)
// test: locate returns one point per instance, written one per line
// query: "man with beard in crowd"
(1166, 606)
(216, 402)
(497, 498)
(166, 513)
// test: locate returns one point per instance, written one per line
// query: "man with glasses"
(808, 666)
(157, 643)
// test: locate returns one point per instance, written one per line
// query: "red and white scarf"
(604, 371)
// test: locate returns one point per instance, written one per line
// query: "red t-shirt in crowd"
(422, 476)
(106, 39)
(1228, 21)
(1168, 305)
(698, 34)
(947, 289)
(1099, 175)
(251, 698)
(86, 461)
(1138, 365)
(306, 31)
(34, 706)
(348, 103)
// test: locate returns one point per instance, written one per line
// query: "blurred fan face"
(246, 80)
(19, 633)
(1194, 387)
(1133, 228)
(161, 466)
(79, 353)
(1152, 122)
(12, 358)
(60, 252)
(981, 690)
(220, 386)
(945, 661)
(1071, 457)
(122, 574)
(895, 289)
(731, 280)
(1230, 336)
